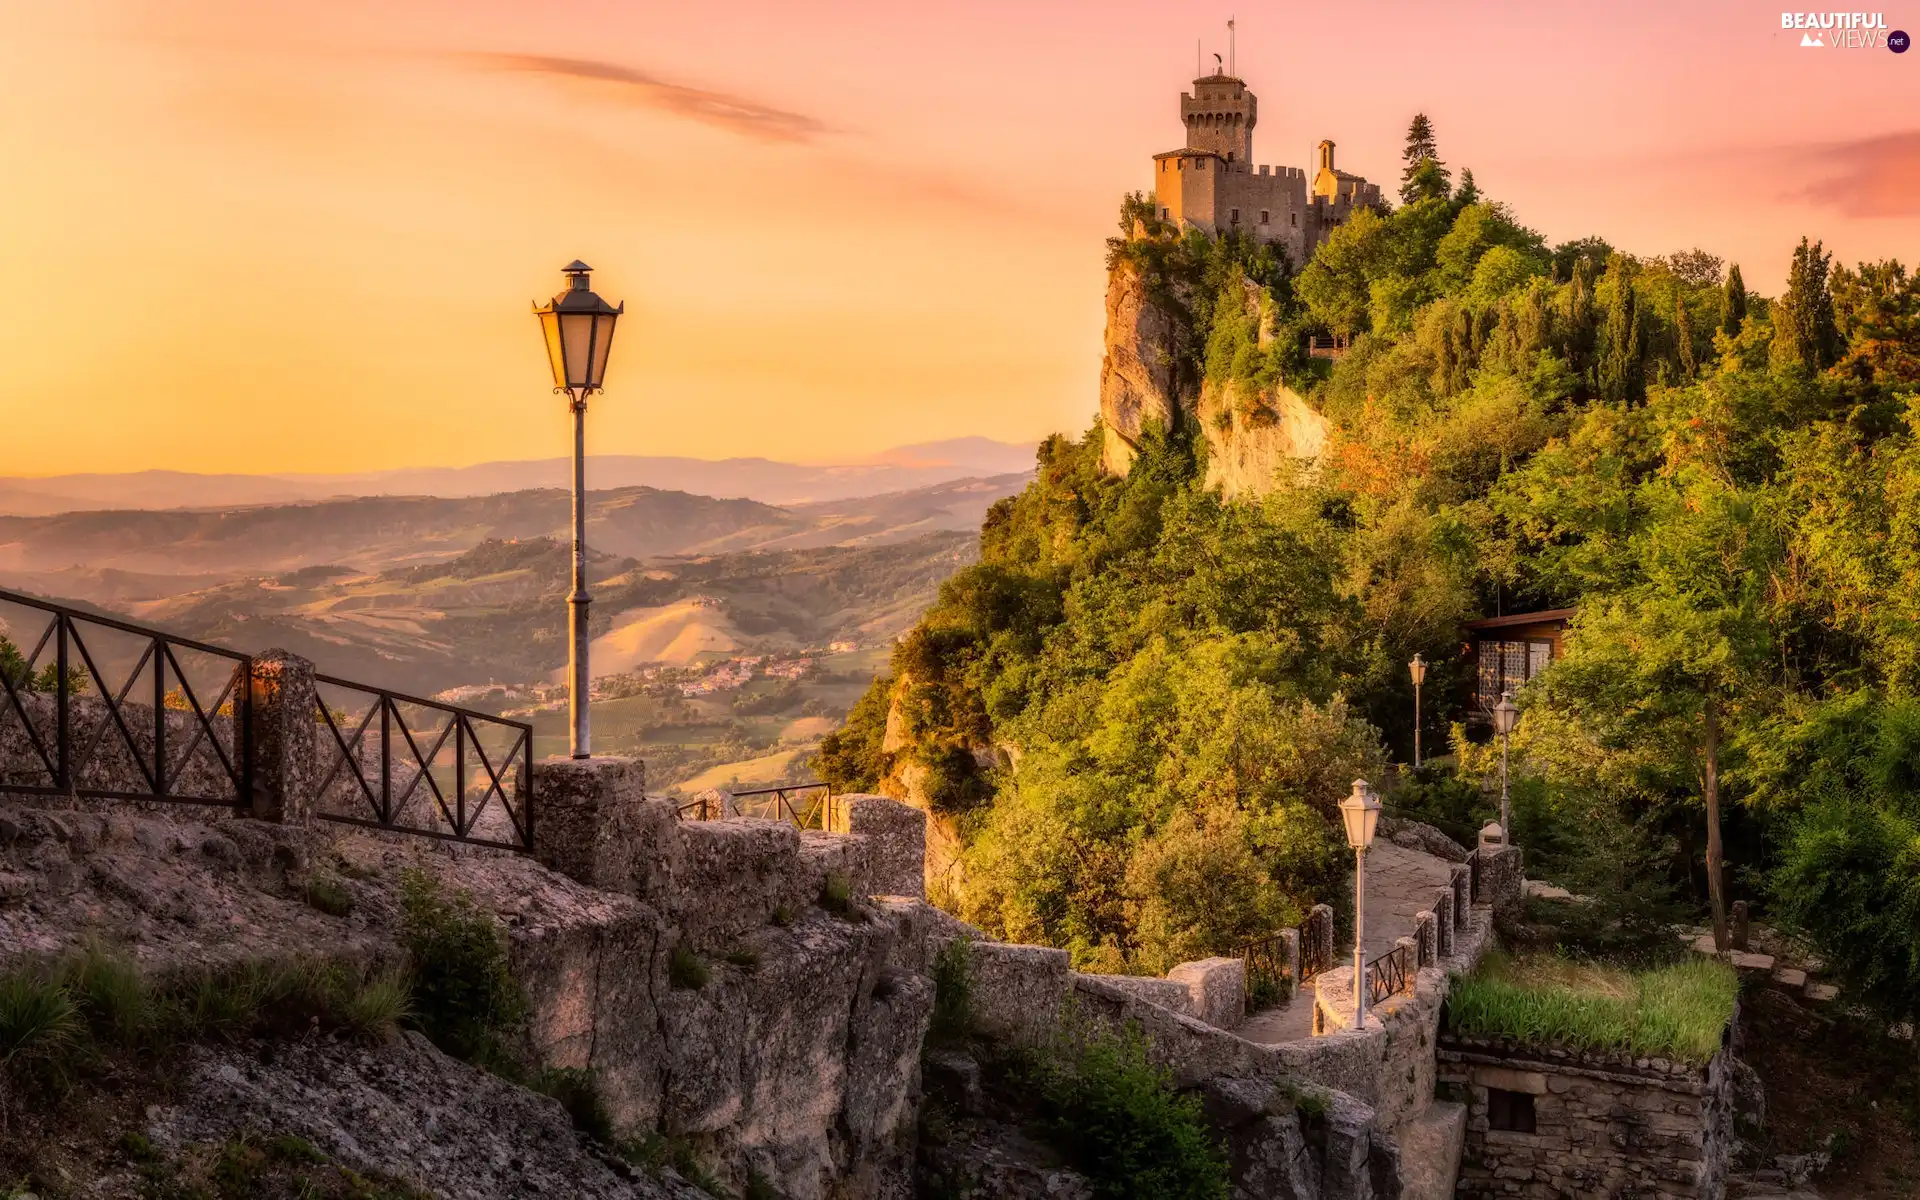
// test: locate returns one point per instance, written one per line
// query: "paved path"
(1400, 883)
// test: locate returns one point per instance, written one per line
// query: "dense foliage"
(1139, 707)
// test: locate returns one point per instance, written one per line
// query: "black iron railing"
(1390, 974)
(393, 761)
(173, 728)
(1269, 973)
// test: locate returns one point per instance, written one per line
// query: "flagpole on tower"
(1230, 63)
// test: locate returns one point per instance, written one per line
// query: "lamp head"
(1418, 669)
(1360, 812)
(1506, 714)
(579, 330)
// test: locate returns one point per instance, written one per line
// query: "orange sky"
(260, 236)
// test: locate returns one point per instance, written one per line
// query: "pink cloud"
(1871, 177)
(738, 114)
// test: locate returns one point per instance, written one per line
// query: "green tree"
(1424, 177)
(1468, 191)
(1733, 302)
(1621, 375)
(1683, 334)
(1804, 331)
(850, 758)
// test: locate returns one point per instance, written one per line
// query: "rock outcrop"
(1254, 434)
(1140, 378)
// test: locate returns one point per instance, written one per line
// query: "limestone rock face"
(402, 1109)
(1139, 378)
(1255, 437)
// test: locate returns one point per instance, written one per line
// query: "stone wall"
(1603, 1124)
(896, 834)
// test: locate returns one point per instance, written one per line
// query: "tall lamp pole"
(1506, 715)
(579, 330)
(1418, 669)
(1360, 812)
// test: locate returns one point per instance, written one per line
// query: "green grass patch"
(1677, 1012)
(836, 895)
(952, 992)
(329, 895)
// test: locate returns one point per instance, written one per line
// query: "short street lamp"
(579, 329)
(1361, 813)
(1506, 715)
(1418, 669)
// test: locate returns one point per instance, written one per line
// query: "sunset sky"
(245, 235)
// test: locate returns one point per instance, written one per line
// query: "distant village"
(701, 679)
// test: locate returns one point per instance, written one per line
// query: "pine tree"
(1683, 332)
(1804, 330)
(1418, 179)
(1620, 373)
(1733, 302)
(1469, 192)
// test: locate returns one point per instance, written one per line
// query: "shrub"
(686, 970)
(578, 1091)
(464, 997)
(1119, 1120)
(110, 990)
(952, 992)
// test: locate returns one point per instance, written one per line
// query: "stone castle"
(1212, 183)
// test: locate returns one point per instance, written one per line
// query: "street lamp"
(579, 330)
(1506, 715)
(1361, 813)
(1418, 669)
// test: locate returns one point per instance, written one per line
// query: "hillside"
(1132, 718)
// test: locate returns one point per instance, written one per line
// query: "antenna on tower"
(1196, 58)
(1230, 69)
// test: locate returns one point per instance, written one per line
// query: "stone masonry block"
(588, 823)
(1016, 990)
(1218, 987)
(284, 736)
(898, 833)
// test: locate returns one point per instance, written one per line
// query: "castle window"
(1509, 1111)
(1235, 215)
(1165, 215)
(1293, 220)
(1266, 217)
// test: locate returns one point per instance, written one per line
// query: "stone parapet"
(1316, 937)
(1216, 990)
(898, 836)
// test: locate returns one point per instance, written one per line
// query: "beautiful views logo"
(1840, 30)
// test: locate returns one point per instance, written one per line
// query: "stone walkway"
(1400, 883)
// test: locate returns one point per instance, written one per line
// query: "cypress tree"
(1620, 374)
(1683, 332)
(1733, 302)
(1804, 330)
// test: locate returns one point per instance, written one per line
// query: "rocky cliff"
(1255, 433)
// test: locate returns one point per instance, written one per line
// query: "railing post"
(62, 703)
(282, 717)
(159, 650)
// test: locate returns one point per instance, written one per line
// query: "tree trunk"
(1716, 875)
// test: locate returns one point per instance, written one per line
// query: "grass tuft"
(40, 1025)
(836, 895)
(329, 895)
(1677, 1012)
(686, 970)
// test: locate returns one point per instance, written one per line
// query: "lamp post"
(1360, 811)
(1418, 669)
(579, 330)
(1506, 715)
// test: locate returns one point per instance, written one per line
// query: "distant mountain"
(121, 559)
(764, 480)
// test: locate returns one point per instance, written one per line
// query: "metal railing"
(807, 805)
(1390, 974)
(150, 738)
(410, 779)
(1268, 971)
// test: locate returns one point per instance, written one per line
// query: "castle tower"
(1220, 114)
